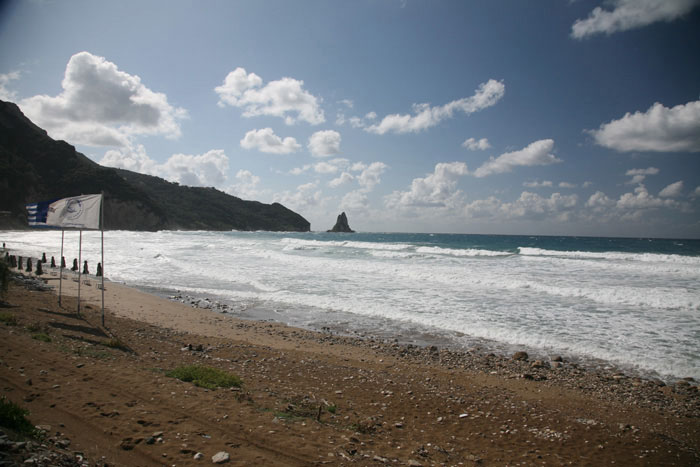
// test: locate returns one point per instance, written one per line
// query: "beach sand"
(312, 398)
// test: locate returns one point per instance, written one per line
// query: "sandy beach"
(102, 397)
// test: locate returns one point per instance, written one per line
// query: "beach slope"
(310, 398)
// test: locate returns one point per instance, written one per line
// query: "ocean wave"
(611, 255)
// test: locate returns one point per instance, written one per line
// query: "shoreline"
(479, 358)
(377, 402)
(494, 349)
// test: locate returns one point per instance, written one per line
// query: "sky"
(555, 117)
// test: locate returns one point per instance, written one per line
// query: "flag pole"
(102, 226)
(80, 260)
(60, 274)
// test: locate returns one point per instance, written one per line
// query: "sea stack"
(341, 225)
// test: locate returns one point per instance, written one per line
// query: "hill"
(35, 167)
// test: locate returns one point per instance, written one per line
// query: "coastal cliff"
(35, 167)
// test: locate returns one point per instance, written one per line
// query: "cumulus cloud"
(639, 175)
(642, 200)
(343, 179)
(245, 186)
(304, 199)
(599, 202)
(566, 185)
(208, 169)
(371, 175)
(356, 200)
(529, 206)
(324, 143)
(476, 145)
(659, 129)
(5, 79)
(673, 190)
(102, 106)
(425, 116)
(265, 140)
(537, 153)
(285, 98)
(534, 206)
(537, 184)
(437, 190)
(630, 14)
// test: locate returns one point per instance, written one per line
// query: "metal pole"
(60, 275)
(80, 260)
(102, 225)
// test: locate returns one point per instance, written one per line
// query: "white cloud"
(642, 200)
(265, 140)
(304, 199)
(534, 206)
(208, 169)
(566, 185)
(133, 158)
(537, 184)
(5, 79)
(436, 190)
(659, 129)
(343, 179)
(696, 192)
(536, 153)
(371, 175)
(639, 175)
(347, 103)
(102, 106)
(529, 206)
(473, 144)
(673, 190)
(425, 116)
(285, 98)
(325, 168)
(630, 14)
(331, 166)
(324, 143)
(599, 202)
(246, 185)
(354, 201)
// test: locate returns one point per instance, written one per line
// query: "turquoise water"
(634, 303)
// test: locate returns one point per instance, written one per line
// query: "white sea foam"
(634, 309)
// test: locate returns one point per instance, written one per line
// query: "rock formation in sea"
(341, 225)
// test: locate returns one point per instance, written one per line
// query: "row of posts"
(16, 262)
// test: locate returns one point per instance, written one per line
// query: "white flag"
(78, 212)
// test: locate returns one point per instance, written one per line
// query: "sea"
(627, 303)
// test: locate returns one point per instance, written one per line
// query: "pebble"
(220, 457)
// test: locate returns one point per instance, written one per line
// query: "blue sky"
(508, 117)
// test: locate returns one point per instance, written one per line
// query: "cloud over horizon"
(202, 170)
(102, 106)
